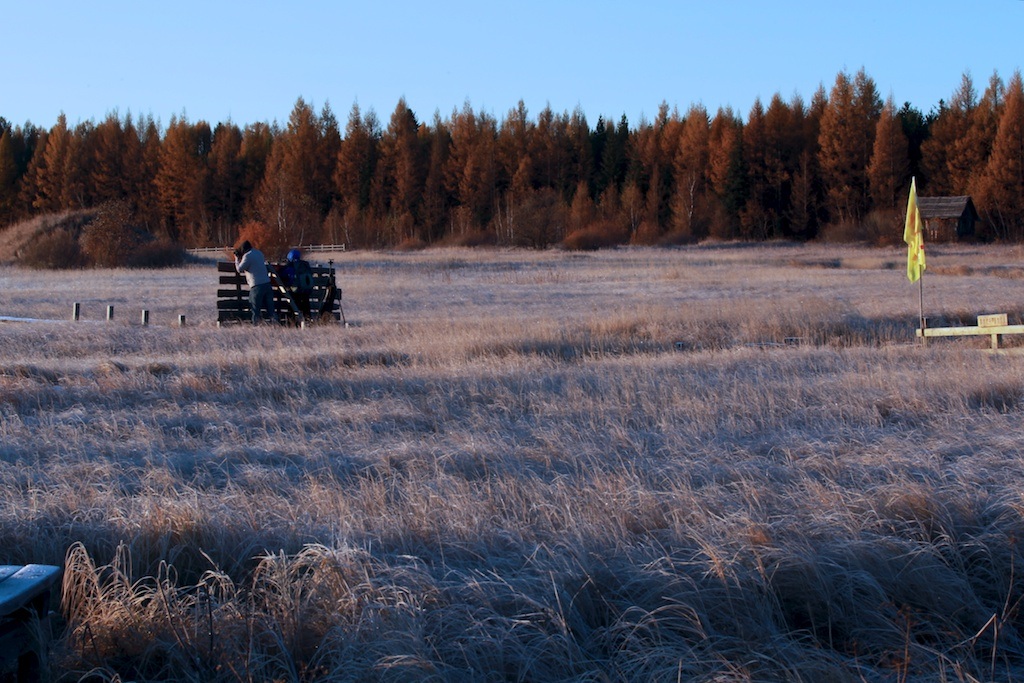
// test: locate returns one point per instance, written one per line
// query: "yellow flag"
(913, 235)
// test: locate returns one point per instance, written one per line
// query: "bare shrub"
(56, 249)
(111, 239)
(411, 244)
(844, 232)
(597, 235)
(156, 254)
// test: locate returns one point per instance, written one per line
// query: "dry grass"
(715, 463)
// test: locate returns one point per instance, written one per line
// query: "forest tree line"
(837, 167)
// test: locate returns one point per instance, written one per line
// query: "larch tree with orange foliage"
(182, 181)
(1001, 188)
(946, 169)
(887, 172)
(690, 167)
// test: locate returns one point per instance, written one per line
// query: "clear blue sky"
(250, 60)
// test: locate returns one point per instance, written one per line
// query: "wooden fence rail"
(309, 248)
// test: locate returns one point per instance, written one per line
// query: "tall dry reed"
(716, 463)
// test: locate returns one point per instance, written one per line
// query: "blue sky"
(250, 61)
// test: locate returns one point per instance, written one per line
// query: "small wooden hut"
(947, 219)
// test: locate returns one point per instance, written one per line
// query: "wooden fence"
(308, 249)
(233, 301)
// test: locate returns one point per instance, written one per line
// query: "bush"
(842, 232)
(156, 254)
(54, 250)
(110, 240)
(599, 235)
(273, 243)
(411, 244)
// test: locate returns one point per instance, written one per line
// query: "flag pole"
(913, 235)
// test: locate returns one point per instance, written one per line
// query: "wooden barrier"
(994, 326)
(25, 619)
(233, 296)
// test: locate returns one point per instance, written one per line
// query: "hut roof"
(944, 207)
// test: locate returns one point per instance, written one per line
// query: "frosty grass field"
(712, 463)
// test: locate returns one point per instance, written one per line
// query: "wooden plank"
(233, 305)
(232, 294)
(232, 280)
(226, 267)
(25, 585)
(993, 320)
(970, 331)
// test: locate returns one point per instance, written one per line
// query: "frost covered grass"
(714, 463)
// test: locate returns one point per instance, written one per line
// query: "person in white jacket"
(250, 262)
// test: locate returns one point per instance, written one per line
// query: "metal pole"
(76, 313)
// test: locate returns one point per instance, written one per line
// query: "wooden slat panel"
(233, 305)
(25, 585)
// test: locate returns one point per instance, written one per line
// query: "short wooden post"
(145, 317)
(76, 312)
(110, 313)
(181, 320)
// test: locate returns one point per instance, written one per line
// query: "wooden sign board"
(994, 320)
